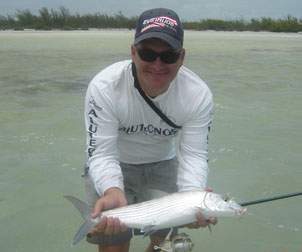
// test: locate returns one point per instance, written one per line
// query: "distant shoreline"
(62, 19)
(132, 30)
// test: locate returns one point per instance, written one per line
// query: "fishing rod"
(259, 201)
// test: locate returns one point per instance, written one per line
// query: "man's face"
(155, 76)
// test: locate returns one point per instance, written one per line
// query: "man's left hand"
(201, 221)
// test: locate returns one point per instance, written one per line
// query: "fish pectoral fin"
(148, 230)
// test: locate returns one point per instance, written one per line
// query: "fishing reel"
(178, 243)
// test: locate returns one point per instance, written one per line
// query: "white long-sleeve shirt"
(121, 126)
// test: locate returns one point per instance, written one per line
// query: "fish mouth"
(241, 211)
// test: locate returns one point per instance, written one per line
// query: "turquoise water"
(255, 141)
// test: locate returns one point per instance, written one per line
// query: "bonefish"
(173, 210)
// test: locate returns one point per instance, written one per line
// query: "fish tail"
(83, 231)
(85, 211)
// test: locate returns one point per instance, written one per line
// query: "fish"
(173, 210)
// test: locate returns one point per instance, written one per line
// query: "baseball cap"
(160, 23)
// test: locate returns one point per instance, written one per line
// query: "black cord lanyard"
(149, 102)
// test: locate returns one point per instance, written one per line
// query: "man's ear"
(133, 52)
(183, 53)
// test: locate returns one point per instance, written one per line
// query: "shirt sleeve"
(102, 133)
(193, 146)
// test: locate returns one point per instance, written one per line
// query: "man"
(134, 150)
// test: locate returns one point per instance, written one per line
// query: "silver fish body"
(173, 210)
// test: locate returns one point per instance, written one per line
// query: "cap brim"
(174, 43)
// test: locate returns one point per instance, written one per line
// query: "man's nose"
(158, 62)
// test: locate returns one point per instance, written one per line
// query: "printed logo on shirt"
(149, 130)
(93, 104)
(92, 129)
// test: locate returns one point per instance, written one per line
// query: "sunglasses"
(168, 57)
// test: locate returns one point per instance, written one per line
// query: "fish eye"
(226, 198)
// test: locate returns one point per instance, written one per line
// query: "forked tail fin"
(85, 211)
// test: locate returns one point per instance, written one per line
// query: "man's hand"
(113, 198)
(201, 221)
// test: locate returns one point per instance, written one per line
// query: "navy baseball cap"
(160, 23)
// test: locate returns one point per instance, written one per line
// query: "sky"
(188, 10)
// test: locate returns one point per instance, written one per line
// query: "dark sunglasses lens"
(168, 57)
(147, 55)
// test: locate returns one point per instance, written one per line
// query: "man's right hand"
(113, 198)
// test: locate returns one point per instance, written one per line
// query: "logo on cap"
(160, 22)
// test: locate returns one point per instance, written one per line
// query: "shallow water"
(255, 141)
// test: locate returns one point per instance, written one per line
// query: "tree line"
(48, 19)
